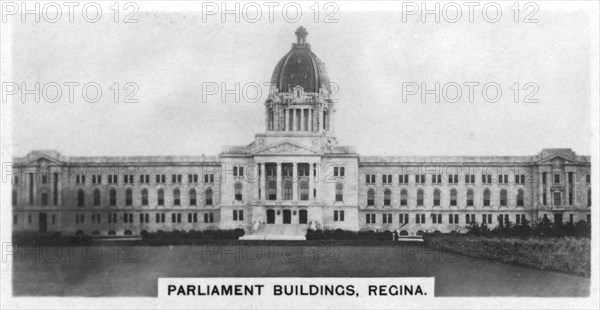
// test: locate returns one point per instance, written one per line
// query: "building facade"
(292, 177)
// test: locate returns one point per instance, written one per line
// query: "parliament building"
(292, 177)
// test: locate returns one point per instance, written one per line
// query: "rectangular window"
(588, 179)
(403, 178)
(436, 178)
(370, 178)
(420, 179)
(556, 178)
(209, 178)
(557, 200)
(386, 178)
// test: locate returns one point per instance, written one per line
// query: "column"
(301, 119)
(285, 112)
(310, 122)
(293, 119)
(263, 181)
(311, 181)
(294, 181)
(278, 181)
(257, 182)
(540, 189)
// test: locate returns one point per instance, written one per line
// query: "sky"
(371, 55)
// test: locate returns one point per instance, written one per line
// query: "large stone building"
(294, 176)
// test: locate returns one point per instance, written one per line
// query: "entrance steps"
(278, 232)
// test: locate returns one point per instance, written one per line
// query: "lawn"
(130, 270)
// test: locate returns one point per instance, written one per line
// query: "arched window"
(453, 197)
(420, 195)
(161, 197)
(339, 192)
(387, 197)
(520, 198)
(80, 198)
(112, 197)
(208, 194)
(403, 197)
(96, 197)
(14, 197)
(238, 191)
(128, 197)
(370, 197)
(436, 197)
(44, 199)
(486, 197)
(192, 197)
(470, 197)
(144, 197)
(503, 199)
(176, 197)
(272, 190)
(287, 191)
(303, 191)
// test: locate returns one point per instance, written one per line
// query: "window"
(144, 197)
(238, 171)
(238, 191)
(112, 197)
(209, 197)
(503, 179)
(556, 178)
(128, 197)
(387, 197)
(387, 218)
(208, 217)
(339, 192)
(338, 215)
(403, 197)
(557, 200)
(128, 179)
(238, 215)
(544, 177)
(486, 218)
(287, 191)
(112, 179)
(304, 191)
(161, 179)
(370, 178)
(588, 179)
(304, 170)
(486, 197)
(503, 198)
(403, 179)
(161, 197)
(470, 179)
(437, 218)
(192, 178)
(453, 197)
(160, 218)
(44, 199)
(386, 178)
(338, 171)
(403, 218)
(176, 178)
(370, 197)
(420, 218)
(470, 197)
(371, 218)
(209, 178)
(14, 197)
(520, 178)
(453, 178)
(436, 197)
(272, 190)
(420, 179)
(15, 219)
(145, 178)
(192, 195)
(520, 198)
(420, 197)
(589, 197)
(96, 197)
(80, 198)
(522, 219)
(436, 178)
(470, 218)
(453, 218)
(486, 178)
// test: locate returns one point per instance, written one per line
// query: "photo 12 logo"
(472, 11)
(71, 12)
(453, 92)
(54, 92)
(254, 12)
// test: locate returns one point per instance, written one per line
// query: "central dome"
(300, 67)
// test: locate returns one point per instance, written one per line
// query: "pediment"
(556, 160)
(43, 160)
(285, 148)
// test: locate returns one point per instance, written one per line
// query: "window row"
(145, 178)
(437, 178)
(144, 218)
(438, 218)
(160, 194)
(453, 201)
